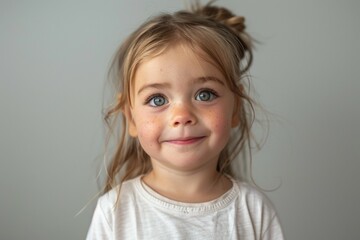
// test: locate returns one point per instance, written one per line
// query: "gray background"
(54, 56)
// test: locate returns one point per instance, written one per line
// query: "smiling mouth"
(186, 141)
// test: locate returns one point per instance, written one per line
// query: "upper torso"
(141, 213)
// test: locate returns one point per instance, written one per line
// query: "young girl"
(186, 118)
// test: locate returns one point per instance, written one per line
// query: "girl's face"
(182, 111)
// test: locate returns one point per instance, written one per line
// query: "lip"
(185, 141)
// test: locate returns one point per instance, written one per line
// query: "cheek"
(147, 127)
(220, 120)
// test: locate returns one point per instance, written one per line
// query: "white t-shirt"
(141, 213)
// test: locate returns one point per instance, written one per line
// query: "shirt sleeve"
(100, 227)
(273, 231)
(263, 216)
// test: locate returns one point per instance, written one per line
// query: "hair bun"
(235, 23)
(221, 14)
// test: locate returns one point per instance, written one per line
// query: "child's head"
(211, 43)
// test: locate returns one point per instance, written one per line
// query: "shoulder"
(108, 207)
(118, 194)
(252, 196)
(116, 199)
(254, 207)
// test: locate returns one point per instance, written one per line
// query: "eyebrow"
(167, 85)
(154, 85)
(209, 78)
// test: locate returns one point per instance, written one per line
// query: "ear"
(126, 110)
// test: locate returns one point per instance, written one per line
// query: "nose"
(182, 115)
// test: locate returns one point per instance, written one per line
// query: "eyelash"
(211, 91)
(152, 97)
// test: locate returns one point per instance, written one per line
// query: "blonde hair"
(220, 37)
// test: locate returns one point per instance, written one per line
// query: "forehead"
(178, 61)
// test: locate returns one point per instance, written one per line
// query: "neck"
(188, 187)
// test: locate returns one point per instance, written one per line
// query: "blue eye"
(205, 95)
(157, 101)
